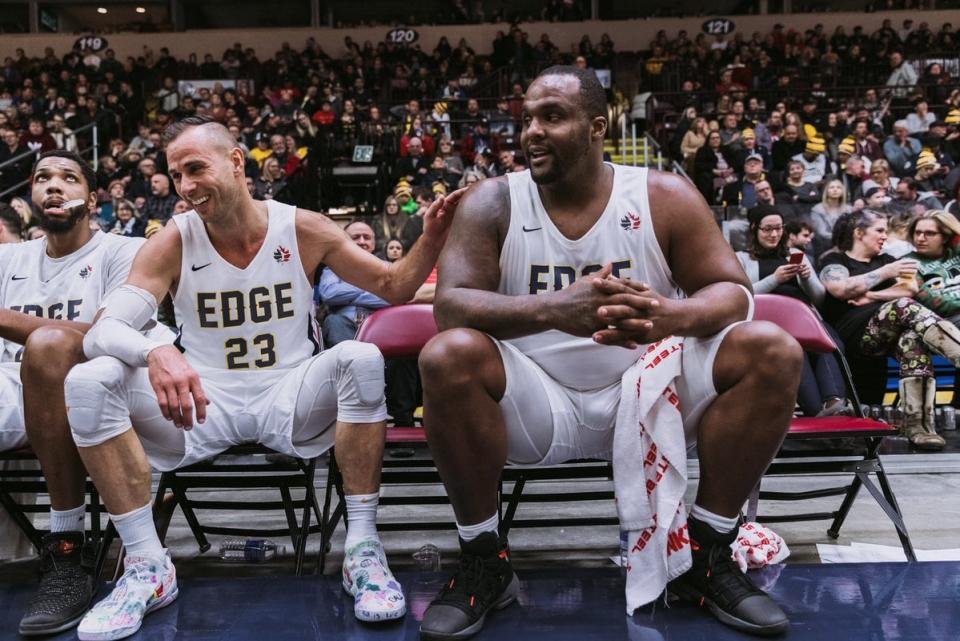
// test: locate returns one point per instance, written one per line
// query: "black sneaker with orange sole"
(484, 581)
(716, 582)
(66, 586)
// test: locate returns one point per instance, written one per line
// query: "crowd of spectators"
(757, 125)
(308, 112)
(788, 63)
(816, 155)
(858, 183)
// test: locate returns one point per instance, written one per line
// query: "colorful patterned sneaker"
(366, 577)
(147, 584)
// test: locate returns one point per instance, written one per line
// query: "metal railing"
(636, 148)
(93, 151)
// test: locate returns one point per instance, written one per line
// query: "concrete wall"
(627, 34)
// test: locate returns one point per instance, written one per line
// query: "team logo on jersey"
(282, 254)
(630, 222)
(86, 271)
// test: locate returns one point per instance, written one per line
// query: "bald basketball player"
(553, 281)
(246, 367)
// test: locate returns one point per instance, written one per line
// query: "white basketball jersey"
(67, 288)
(253, 320)
(537, 258)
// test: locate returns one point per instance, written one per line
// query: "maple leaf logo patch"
(630, 222)
(282, 254)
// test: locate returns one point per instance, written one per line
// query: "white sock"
(470, 532)
(67, 520)
(720, 524)
(138, 533)
(361, 518)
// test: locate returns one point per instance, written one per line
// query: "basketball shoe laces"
(59, 582)
(728, 586)
(475, 583)
(140, 571)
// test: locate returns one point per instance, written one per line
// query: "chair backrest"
(797, 319)
(401, 331)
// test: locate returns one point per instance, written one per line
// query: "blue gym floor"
(843, 602)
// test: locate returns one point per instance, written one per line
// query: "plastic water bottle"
(624, 548)
(249, 550)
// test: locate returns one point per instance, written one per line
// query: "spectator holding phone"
(773, 269)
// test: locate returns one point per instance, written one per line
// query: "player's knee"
(88, 391)
(360, 373)
(773, 353)
(452, 356)
(50, 352)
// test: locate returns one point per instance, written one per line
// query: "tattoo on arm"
(869, 280)
(833, 273)
(852, 286)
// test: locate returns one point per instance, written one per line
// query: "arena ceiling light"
(101, 9)
(140, 10)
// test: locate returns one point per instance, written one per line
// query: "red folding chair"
(399, 332)
(803, 323)
(402, 332)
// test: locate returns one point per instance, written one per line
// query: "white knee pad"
(360, 382)
(96, 403)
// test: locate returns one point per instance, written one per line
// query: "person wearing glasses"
(767, 262)
(765, 193)
(881, 176)
(935, 234)
(870, 302)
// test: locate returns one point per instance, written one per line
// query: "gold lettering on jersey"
(553, 278)
(67, 310)
(234, 308)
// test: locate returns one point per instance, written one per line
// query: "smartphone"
(796, 258)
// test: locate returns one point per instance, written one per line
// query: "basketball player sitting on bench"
(553, 282)
(246, 367)
(50, 291)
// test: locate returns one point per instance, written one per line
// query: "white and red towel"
(650, 473)
(758, 546)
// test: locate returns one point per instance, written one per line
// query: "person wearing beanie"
(929, 177)
(815, 163)
(749, 147)
(846, 150)
(440, 117)
(403, 192)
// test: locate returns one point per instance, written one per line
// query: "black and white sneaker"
(66, 586)
(716, 582)
(484, 581)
